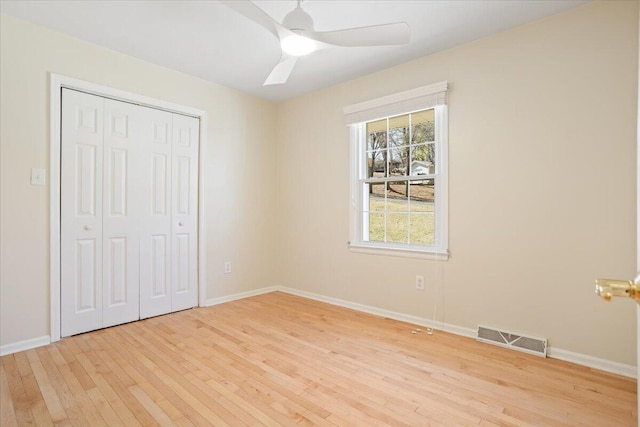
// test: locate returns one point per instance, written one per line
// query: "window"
(399, 179)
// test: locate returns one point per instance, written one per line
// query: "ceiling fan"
(298, 38)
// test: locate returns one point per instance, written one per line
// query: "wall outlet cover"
(38, 176)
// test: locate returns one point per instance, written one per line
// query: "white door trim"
(56, 83)
(638, 231)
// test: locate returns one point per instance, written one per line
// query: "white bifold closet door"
(155, 232)
(129, 202)
(168, 236)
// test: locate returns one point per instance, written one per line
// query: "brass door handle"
(609, 288)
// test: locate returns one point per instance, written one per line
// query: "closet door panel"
(185, 212)
(81, 212)
(121, 216)
(155, 201)
(129, 212)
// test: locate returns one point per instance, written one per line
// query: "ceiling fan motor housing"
(298, 21)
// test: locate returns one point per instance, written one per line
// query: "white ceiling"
(208, 40)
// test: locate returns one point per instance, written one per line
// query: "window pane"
(376, 228)
(376, 197)
(422, 228)
(423, 159)
(422, 126)
(376, 163)
(399, 131)
(377, 126)
(421, 195)
(397, 227)
(399, 122)
(398, 161)
(397, 199)
(397, 190)
(376, 140)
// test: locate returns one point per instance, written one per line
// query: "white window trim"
(432, 96)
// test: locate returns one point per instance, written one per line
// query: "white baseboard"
(415, 320)
(555, 353)
(241, 295)
(25, 345)
(593, 362)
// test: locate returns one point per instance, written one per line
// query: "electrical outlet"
(227, 267)
(420, 283)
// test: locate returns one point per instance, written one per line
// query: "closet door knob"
(180, 224)
(87, 227)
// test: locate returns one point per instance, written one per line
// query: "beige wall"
(240, 174)
(542, 166)
(542, 150)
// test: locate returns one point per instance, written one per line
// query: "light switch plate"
(38, 176)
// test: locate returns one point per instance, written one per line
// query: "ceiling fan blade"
(253, 12)
(375, 35)
(281, 71)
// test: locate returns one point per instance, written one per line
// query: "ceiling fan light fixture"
(297, 45)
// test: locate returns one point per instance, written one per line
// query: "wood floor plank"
(218, 403)
(156, 412)
(122, 411)
(15, 401)
(76, 403)
(282, 360)
(37, 405)
(47, 388)
(82, 397)
(104, 408)
(115, 401)
(7, 412)
(23, 364)
(195, 410)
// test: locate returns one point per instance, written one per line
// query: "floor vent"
(531, 345)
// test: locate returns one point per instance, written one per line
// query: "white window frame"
(357, 115)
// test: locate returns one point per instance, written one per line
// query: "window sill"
(400, 252)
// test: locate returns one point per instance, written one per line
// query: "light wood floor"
(278, 359)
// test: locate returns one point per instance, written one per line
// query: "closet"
(128, 212)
